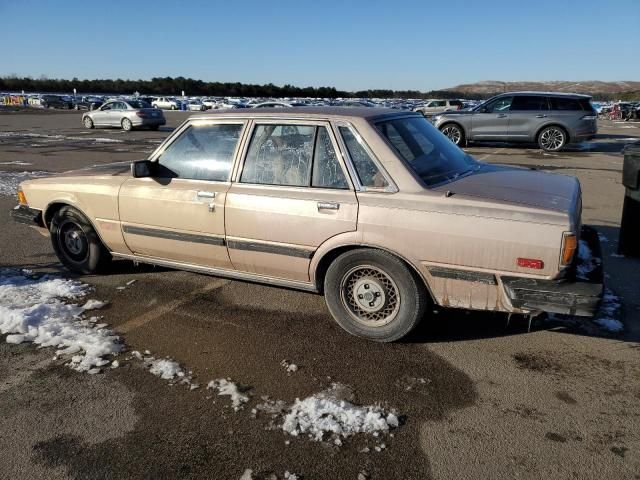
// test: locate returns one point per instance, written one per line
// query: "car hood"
(520, 186)
(114, 169)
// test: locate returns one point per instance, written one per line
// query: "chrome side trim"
(253, 246)
(169, 235)
(221, 272)
(464, 275)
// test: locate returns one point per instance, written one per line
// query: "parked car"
(435, 106)
(196, 106)
(126, 114)
(278, 105)
(55, 101)
(552, 120)
(374, 208)
(87, 103)
(166, 103)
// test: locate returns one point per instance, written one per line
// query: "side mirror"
(142, 169)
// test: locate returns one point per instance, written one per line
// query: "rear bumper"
(578, 294)
(148, 122)
(28, 216)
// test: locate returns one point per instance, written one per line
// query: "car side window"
(106, 107)
(202, 152)
(500, 105)
(561, 103)
(327, 172)
(280, 155)
(367, 170)
(526, 102)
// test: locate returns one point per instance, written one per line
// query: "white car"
(165, 103)
(435, 106)
(196, 106)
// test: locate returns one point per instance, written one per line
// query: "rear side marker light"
(531, 263)
(569, 247)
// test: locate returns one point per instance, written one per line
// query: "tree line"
(192, 87)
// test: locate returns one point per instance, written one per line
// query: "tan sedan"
(373, 208)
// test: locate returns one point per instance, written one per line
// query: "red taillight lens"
(141, 114)
(531, 263)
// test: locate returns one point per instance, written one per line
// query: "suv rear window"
(455, 103)
(529, 102)
(565, 103)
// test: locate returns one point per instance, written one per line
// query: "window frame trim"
(254, 123)
(391, 185)
(177, 133)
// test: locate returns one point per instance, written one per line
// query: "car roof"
(345, 113)
(550, 94)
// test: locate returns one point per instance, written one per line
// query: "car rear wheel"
(173, 107)
(76, 242)
(552, 139)
(127, 126)
(374, 295)
(454, 133)
(87, 122)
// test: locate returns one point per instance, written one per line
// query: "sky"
(351, 45)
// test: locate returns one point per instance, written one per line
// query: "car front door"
(526, 116)
(178, 214)
(491, 121)
(290, 195)
(102, 116)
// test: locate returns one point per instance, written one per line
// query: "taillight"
(569, 247)
(22, 199)
(141, 114)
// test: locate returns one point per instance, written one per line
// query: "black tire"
(455, 133)
(76, 242)
(552, 138)
(374, 295)
(126, 124)
(88, 123)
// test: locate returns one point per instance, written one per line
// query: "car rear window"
(529, 102)
(565, 103)
(139, 104)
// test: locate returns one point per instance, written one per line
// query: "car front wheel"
(374, 295)
(76, 242)
(552, 139)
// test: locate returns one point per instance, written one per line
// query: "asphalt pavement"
(478, 397)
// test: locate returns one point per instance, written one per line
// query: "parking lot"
(477, 396)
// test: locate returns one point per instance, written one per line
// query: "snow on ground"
(588, 263)
(227, 387)
(325, 413)
(32, 309)
(57, 137)
(609, 307)
(9, 181)
(166, 369)
(248, 475)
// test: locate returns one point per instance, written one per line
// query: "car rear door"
(491, 121)
(528, 113)
(178, 214)
(291, 194)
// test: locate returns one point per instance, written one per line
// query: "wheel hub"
(369, 294)
(73, 241)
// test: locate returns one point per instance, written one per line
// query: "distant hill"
(588, 87)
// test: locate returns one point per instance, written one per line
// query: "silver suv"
(552, 120)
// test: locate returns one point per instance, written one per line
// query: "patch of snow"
(326, 413)
(32, 309)
(228, 388)
(94, 304)
(247, 475)
(166, 369)
(289, 367)
(588, 263)
(9, 181)
(606, 316)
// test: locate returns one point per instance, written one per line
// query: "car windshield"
(139, 104)
(431, 155)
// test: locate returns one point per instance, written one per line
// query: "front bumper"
(27, 216)
(577, 294)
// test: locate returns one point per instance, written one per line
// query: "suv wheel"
(374, 295)
(454, 133)
(552, 139)
(76, 242)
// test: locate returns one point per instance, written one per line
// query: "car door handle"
(502, 115)
(202, 194)
(328, 206)
(541, 116)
